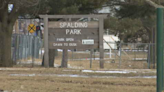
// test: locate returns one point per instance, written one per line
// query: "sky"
(10, 7)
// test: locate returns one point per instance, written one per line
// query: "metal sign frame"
(100, 32)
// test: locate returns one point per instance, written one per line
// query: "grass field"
(48, 80)
(131, 76)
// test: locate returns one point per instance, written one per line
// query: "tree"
(74, 6)
(135, 10)
(143, 11)
(156, 3)
(7, 20)
(128, 30)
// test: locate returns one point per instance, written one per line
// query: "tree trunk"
(64, 58)
(51, 57)
(5, 49)
(52, 54)
(7, 21)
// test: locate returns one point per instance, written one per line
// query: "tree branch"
(154, 4)
(2, 4)
(29, 3)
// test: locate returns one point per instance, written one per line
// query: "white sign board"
(87, 41)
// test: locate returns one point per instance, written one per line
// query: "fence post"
(15, 50)
(148, 57)
(46, 49)
(159, 49)
(94, 53)
(26, 47)
(41, 48)
(72, 54)
(101, 47)
(110, 51)
(120, 55)
(35, 47)
(22, 38)
(135, 57)
(91, 52)
(33, 50)
(17, 55)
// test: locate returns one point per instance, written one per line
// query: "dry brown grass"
(126, 63)
(67, 84)
(56, 84)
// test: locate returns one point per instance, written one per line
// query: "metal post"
(135, 52)
(110, 51)
(41, 49)
(33, 51)
(27, 47)
(120, 56)
(148, 57)
(35, 46)
(91, 58)
(15, 50)
(21, 48)
(31, 43)
(159, 49)
(17, 56)
(72, 54)
(24, 47)
(28, 42)
(94, 53)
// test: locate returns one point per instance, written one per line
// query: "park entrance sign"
(73, 34)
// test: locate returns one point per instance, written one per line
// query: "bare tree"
(154, 4)
(7, 20)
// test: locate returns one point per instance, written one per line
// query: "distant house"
(109, 39)
(104, 10)
(110, 42)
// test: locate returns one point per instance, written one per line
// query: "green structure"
(160, 49)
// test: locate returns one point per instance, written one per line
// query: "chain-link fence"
(26, 48)
(136, 55)
(124, 56)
